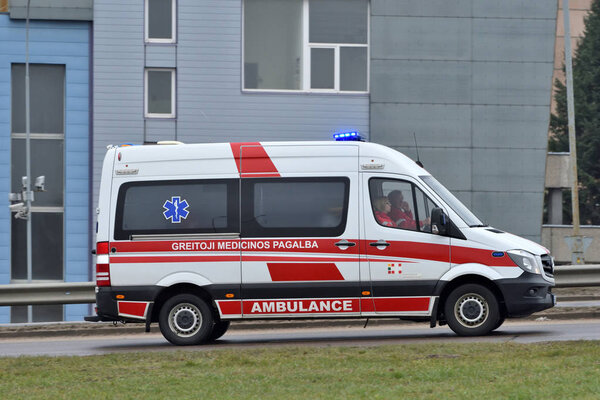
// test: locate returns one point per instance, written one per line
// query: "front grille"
(548, 265)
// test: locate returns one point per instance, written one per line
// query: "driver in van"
(382, 208)
(400, 211)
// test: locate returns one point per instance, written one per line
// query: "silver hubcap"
(471, 310)
(185, 319)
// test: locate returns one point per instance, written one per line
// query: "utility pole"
(28, 193)
(576, 243)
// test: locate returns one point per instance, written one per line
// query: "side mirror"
(439, 222)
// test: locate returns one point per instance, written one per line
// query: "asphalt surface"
(518, 332)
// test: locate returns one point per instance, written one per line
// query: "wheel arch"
(180, 288)
(446, 287)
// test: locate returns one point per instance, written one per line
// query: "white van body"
(196, 235)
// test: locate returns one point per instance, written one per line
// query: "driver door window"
(424, 207)
(400, 204)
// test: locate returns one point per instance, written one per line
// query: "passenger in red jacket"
(382, 208)
(400, 211)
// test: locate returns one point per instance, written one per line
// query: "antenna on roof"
(419, 163)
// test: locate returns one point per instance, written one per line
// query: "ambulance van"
(193, 236)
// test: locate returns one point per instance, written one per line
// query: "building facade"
(59, 55)
(469, 79)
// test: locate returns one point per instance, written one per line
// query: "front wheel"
(185, 320)
(472, 310)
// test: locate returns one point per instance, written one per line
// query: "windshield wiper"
(478, 226)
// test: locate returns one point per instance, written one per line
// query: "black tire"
(185, 320)
(472, 310)
(219, 330)
(499, 323)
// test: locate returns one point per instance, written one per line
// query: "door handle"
(345, 243)
(378, 243)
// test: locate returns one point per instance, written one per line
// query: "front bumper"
(527, 294)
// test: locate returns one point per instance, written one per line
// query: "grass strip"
(428, 371)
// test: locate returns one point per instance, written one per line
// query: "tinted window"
(160, 19)
(294, 206)
(424, 207)
(177, 207)
(47, 98)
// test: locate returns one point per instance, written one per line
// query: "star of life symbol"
(176, 209)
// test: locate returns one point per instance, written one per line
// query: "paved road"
(519, 332)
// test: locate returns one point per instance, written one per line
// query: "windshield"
(463, 212)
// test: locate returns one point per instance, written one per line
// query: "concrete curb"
(44, 330)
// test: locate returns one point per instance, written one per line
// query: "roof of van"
(272, 157)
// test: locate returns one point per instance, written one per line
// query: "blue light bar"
(347, 136)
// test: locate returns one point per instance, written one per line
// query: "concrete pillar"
(555, 208)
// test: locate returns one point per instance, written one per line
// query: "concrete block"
(515, 9)
(447, 125)
(429, 38)
(519, 213)
(513, 40)
(420, 8)
(508, 170)
(450, 166)
(508, 83)
(558, 171)
(430, 82)
(510, 127)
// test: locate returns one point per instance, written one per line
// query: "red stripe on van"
(401, 304)
(230, 307)
(254, 161)
(304, 272)
(232, 258)
(462, 255)
(367, 305)
(135, 308)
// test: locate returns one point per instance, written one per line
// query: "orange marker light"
(229, 295)
(366, 293)
(120, 296)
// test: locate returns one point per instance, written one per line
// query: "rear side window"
(177, 207)
(294, 207)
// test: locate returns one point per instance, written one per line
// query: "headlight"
(525, 260)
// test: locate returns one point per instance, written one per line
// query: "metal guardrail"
(83, 292)
(577, 275)
(22, 294)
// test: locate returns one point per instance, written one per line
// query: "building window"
(47, 121)
(306, 45)
(160, 21)
(159, 87)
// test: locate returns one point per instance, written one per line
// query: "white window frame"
(173, 93)
(306, 52)
(173, 38)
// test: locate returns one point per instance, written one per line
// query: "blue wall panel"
(52, 42)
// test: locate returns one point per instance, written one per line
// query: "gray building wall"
(472, 80)
(210, 104)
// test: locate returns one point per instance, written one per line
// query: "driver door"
(405, 258)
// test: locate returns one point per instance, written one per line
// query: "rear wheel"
(472, 310)
(185, 319)
(219, 330)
